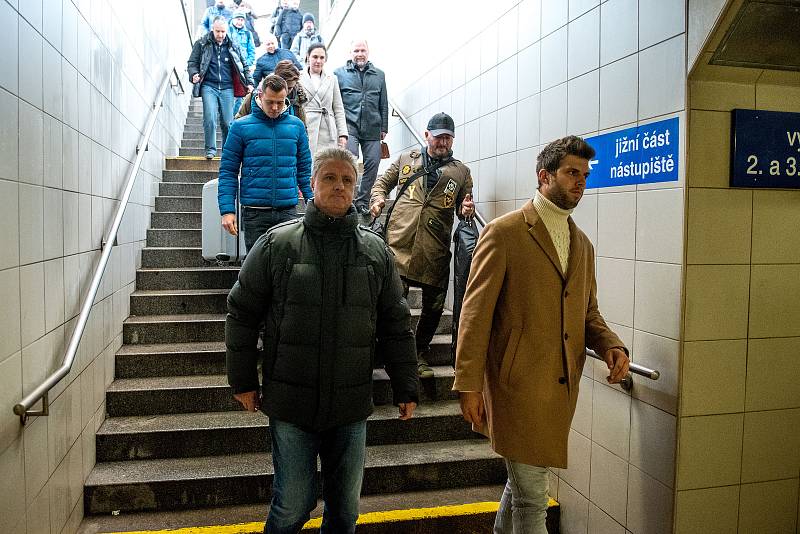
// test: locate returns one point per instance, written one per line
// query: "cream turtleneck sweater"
(555, 220)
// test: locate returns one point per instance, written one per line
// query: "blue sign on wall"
(645, 154)
(765, 149)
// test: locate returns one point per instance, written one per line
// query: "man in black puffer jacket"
(330, 297)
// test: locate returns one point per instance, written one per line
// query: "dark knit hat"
(307, 17)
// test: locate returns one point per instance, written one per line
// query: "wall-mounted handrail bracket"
(178, 83)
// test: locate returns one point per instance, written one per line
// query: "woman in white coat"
(325, 119)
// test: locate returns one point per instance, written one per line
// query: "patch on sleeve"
(450, 193)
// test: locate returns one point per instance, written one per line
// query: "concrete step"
(179, 204)
(176, 220)
(171, 301)
(170, 359)
(179, 328)
(211, 393)
(196, 143)
(176, 301)
(194, 132)
(208, 358)
(160, 257)
(151, 329)
(193, 176)
(195, 127)
(245, 478)
(211, 277)
(223, 433)
(174, 237)
(178, 189)
(192, 164)
(197, 151)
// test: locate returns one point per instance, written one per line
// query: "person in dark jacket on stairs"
(329, 295)
(217, 66)
(366, 108)
(289, 22)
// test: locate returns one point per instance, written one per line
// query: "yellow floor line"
(392, 516)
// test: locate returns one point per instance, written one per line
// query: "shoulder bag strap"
(405, 186)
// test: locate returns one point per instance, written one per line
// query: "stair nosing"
(185, 422)
(182, 470)
(163, 348)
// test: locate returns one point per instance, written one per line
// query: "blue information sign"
(644, 154)
(765, 149)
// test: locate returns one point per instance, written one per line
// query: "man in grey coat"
(366, 106)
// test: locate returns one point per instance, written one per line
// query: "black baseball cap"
(441, 124)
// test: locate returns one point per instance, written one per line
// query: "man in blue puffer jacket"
(270, 147)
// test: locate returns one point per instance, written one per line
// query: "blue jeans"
(237, 103)
(371, 153)
(256, 222)
(216, 102)
(294, 488)
(523, 507)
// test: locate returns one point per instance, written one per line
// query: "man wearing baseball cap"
(419, 229)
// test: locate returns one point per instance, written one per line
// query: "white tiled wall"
(515, 75)
(77, 80)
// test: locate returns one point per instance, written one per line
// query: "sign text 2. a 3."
(765, 149)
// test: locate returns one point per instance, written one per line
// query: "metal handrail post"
(22, 409)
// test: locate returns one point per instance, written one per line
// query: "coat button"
(566, 336)
(562, 380)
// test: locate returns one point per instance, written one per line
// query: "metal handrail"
(23, 408)
(400, 115)
(186, 20)
(635, 368)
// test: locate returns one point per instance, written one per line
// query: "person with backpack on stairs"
(329, 295)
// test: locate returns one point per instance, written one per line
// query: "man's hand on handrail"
(617, 362)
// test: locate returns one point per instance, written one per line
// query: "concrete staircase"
(175, 439)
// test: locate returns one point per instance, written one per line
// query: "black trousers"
(432, 308)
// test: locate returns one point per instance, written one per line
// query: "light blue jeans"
(523, 507)
(294, 488)
(216, 102)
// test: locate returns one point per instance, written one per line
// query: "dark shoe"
(423, 369)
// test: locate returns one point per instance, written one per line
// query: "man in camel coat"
(529, 312)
